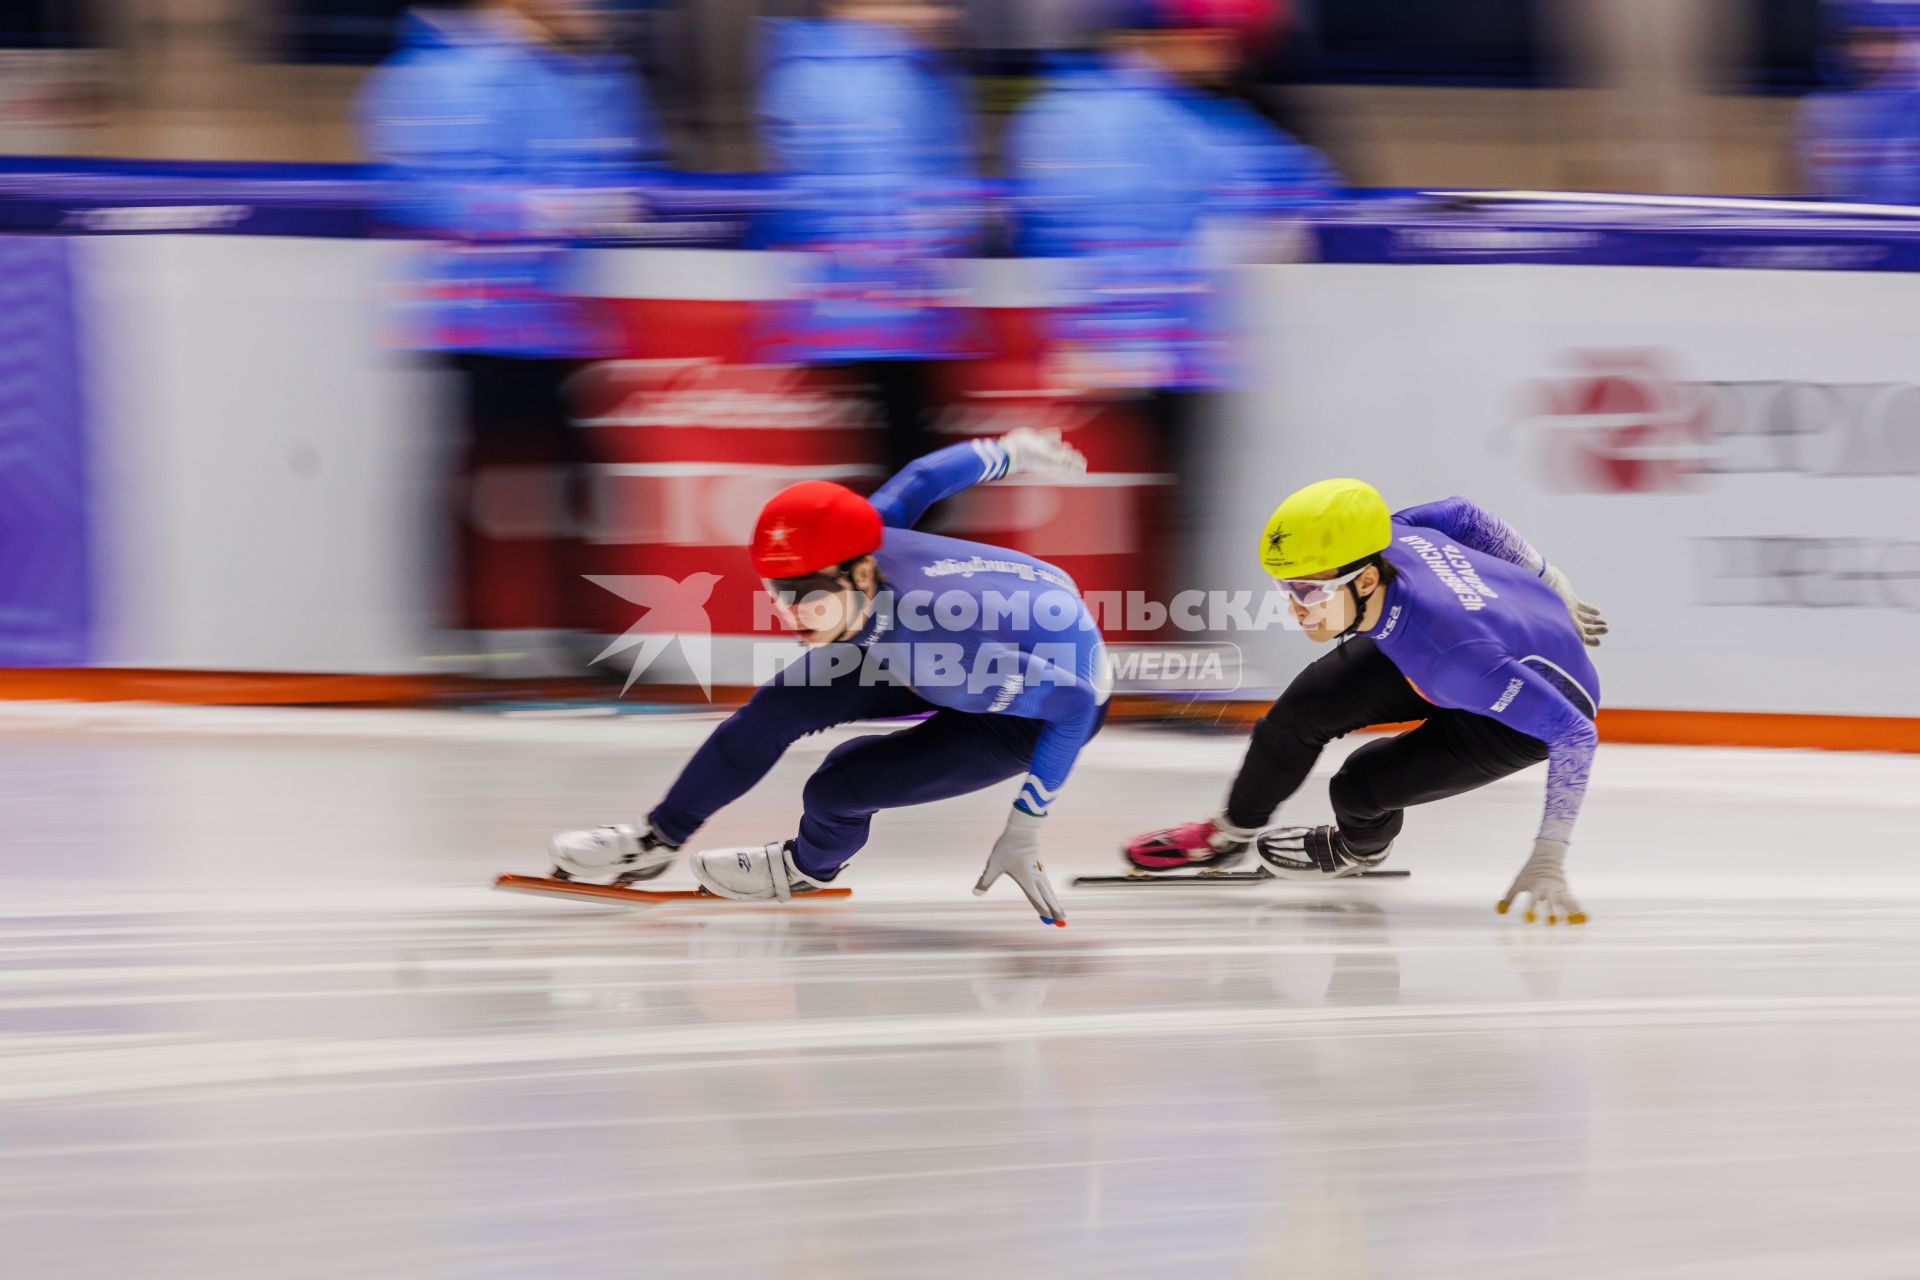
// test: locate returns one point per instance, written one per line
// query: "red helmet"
(811, 526)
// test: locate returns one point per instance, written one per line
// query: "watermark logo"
(995, 643)
(674, 613)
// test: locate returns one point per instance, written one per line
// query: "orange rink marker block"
(547, 887)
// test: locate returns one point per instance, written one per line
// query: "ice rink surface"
(260, 1017)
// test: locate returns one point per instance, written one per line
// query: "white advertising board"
(262, 466)
(1728, 462)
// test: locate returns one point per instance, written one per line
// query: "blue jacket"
(506, 153)
(966, 627)
(1863, 144)
(1120, 168)
(875, 151)
(1860, 140)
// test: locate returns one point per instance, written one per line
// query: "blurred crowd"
(1692, 95)
(1860, 136)
(506, 130)
(509, 133)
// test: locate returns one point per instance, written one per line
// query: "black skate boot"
(1312, 853)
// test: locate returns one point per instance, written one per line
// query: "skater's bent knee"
(1288, 725)
(838, 785)
(1348, 790)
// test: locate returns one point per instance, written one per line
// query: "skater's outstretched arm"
(1475, 527)
(902, 500)
(804, 698)
(1538, 705)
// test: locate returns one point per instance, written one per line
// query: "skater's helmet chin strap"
(1360, 602)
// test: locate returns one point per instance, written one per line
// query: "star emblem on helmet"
(778, 534)
(1275, 538)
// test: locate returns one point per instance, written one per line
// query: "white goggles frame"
(1310, 593)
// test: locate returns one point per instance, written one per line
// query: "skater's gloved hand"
(1017, 854)
(1586, 619)
(1543, 882)
(1041, 453)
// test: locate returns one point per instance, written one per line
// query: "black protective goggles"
(789, 592)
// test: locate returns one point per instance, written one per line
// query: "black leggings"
(1355, 686)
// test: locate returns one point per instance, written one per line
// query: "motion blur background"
(349, 354)
(1648, 95)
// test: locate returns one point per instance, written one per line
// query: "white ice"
(260, 1017)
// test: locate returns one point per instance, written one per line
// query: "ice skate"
(757, 874)
(1313, 853)
(616, 855)
(1194, 846)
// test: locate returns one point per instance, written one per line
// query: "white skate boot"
(623, 854)
(759, 874)
(1312, 853)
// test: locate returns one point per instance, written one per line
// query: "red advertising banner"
(690, 435)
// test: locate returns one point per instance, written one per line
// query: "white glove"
(1543, 881)
(1586, 619)
(1017, 854)
(1041, 453)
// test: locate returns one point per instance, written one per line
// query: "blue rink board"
(695, 210)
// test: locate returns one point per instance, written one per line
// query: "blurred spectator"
(1125, 165)
(1861, 139)
(508, 135)
(52, 83)
(867, 125)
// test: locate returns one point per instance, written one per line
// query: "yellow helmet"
(1323, 527)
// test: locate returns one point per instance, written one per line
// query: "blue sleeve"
(902, 500)
(1489, 683)
(804, 698)
(1070, 711)
(1054, 756)
(1063, 682)
(1475, 528)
